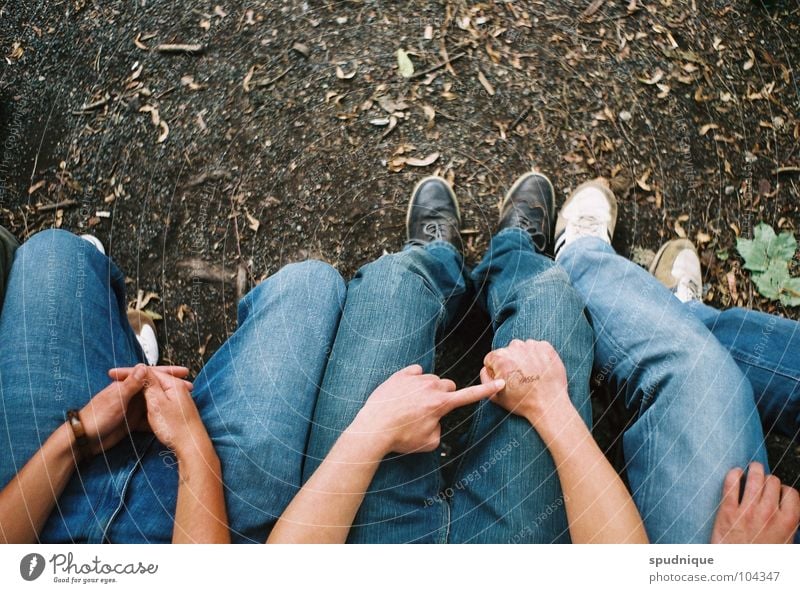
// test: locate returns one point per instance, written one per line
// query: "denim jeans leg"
(767, 350)
(506, 489)
(393, 311)
(63, 326)
(257, 393)
(696, 417)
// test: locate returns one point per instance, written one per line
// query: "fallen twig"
(780, 170)
(177, 48)
(441, 64)
(93, 105)
(56, 206)
(520, 118)
(260, 83)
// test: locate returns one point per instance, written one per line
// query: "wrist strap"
(81, 441)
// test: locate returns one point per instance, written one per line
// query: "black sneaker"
(433, 214)
(529, 205)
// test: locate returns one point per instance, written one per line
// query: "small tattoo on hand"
(524, 379)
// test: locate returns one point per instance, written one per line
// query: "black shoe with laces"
(433, 214)
(530, 205)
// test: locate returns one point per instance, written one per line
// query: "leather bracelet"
(81, 440)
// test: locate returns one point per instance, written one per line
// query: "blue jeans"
(506, 488)
(767, 350)
(64, 325)
(696, 416)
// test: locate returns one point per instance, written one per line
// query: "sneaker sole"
(414, 193)
(524, 178)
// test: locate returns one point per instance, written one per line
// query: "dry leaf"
(704, 129)
(485, 83)
(655, 79)
(153, 113)
(642, 181)
(182, 311)
(247, 78)
(404, 64)
(424, 162)
(342, 75)
(164, 132)
(252, 222)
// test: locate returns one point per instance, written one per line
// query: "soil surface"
(278, 131)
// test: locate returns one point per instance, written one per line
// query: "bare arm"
(200, 515)
(27, 501)
(324, 509)
(401, 415)
(599, 507)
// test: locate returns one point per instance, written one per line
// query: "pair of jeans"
(767, 350)
(696, 416)
(505, 487)
(64, 325)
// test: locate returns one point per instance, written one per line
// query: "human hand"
(172, 413)
(404, 412)
(122, 373)
(768, 512)
(115, 411)
(536, 382)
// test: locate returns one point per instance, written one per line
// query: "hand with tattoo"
(536, 383)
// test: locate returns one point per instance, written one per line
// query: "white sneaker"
(145, 331)
(677, 266)
(590, 211)
(94, 241)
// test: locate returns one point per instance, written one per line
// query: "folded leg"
(506, 489)
(394, 308)
(696, 416)
(63, 326)
(767, 350)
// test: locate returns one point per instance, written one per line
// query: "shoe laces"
(434, 230)
(687, 290)
(589, 226)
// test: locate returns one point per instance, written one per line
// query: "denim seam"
(755, 362)
(124, 489)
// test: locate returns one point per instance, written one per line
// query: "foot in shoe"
(145, 331)
(677, 266)
(529, 205)
(94, 241)
(433, 214)
(590, 211)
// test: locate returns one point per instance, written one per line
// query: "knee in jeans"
(52, 242)
(313, 282)
(390, 265)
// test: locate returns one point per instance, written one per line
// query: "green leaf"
(404, 64)
(782, 247)
(763, 233)
(791, 293)
(771, 283)
(754, 253)
(722, 254)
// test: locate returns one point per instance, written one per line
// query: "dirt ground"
(284, 130)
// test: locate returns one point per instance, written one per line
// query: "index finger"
(120, 373)
(470, 395)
